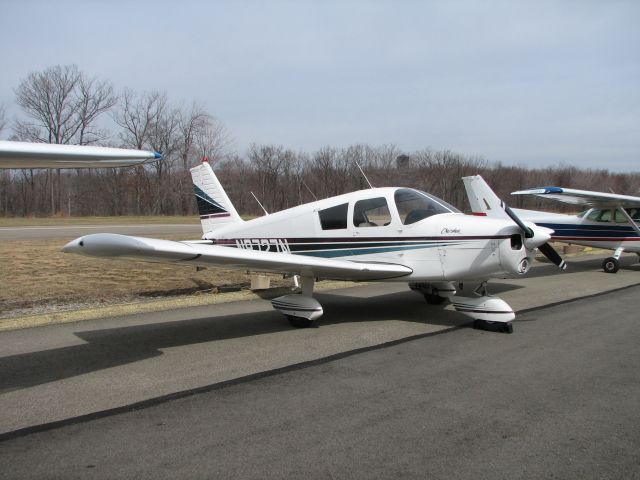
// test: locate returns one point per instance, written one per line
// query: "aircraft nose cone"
(74, 246)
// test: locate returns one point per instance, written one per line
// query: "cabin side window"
(414, 206)
(334, 218)
(634, 213)
(598, 215)
(372, 212)
(619, 217)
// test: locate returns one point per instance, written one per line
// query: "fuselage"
(388, 225)
(597, 227)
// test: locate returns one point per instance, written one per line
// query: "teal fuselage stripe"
(343, 252)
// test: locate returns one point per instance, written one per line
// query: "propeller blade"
(528, 233)
(549, 252)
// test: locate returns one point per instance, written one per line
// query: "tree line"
(63, 105)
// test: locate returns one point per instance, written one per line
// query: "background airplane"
(50, 155)
(397, 234)
(609, 221)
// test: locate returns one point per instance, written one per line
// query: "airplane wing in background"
(50, 155)
(583, 197)
(204, 254)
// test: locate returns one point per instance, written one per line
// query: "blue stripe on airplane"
(566, 230)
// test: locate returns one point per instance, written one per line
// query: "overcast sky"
(538, 83)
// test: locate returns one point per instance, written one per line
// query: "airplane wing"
(583, 197)
(203, 254)
(50, 155)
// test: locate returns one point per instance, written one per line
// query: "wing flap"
(111, 245)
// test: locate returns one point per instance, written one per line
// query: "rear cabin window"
(634, 213)
(372, 212)
(334, 218)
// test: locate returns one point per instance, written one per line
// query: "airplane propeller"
(541, 242)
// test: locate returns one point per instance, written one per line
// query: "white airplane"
(611, 221)
(50, 155)
(391, 234)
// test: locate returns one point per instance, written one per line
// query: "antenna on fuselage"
(264, 209)
(312, 194)
(363, 174)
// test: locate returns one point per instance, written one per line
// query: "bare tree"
(93, 99)
(48, 99)
(61, 105)
(213, 141)
(190, 126)
(136, 116)
(3, 118)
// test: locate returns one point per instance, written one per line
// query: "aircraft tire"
(610, 265)
(299, 322)
(489, 326)
(434, 299)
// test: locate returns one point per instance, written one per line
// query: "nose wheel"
(502, 327)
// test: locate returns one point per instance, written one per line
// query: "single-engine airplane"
(391, 234)
(610, 221)
(51, 155)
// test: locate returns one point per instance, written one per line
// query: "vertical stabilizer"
(214, 206)
(483, 200)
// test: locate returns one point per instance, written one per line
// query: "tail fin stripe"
(214, 206)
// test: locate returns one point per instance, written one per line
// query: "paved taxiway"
(194, 231)
(61, 372)
(558, 399)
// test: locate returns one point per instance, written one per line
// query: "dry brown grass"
(36, 273)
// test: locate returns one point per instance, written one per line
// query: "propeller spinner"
(537, 237)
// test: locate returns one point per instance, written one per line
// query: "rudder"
(214, 206)
(483, 200)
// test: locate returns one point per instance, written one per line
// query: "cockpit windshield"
(414, 205)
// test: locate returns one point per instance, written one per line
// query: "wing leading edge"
(49, 155)
(112, 245)
(583, 197)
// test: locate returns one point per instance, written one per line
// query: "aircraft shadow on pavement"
(120, 346)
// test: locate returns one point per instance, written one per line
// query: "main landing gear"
(300, 309)
(612, 264)
(488, 312)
